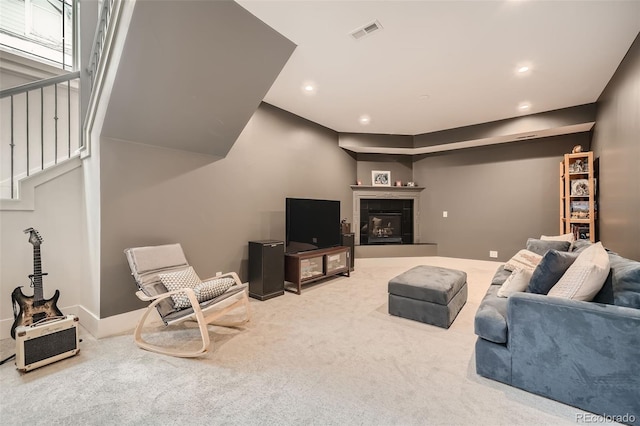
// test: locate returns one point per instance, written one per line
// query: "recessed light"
(364, 120)
(523, 68)
(524, 106)
(308, 88)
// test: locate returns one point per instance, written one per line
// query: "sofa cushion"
(491, 318)
(625, 280)
(585, 277)
(550, 269)
(517, 282)
(542, 246)
(580, 245)
(523, 259)
(564, 237)
(500, 276)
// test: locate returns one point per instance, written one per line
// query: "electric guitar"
(28, 310)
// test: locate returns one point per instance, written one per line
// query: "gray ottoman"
(428, 294)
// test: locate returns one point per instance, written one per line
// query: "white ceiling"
(439, 65)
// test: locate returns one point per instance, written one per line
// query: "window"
(40, 29)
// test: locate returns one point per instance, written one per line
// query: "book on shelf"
(581, 232)
(579, 210)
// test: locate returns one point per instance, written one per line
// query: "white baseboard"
(98, 327)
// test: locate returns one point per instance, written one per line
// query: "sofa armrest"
(584, 354)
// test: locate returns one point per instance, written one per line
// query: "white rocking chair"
(147, 263)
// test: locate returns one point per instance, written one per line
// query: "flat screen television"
(312, 224)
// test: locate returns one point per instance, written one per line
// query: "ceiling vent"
(366, 30)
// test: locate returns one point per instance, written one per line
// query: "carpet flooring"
(331, 356)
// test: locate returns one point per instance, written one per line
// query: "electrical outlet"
(493, 253)
(445, 214)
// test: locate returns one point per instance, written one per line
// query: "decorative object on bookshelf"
(580, 187)
(576, 149)
(578, 206)
(380, 178)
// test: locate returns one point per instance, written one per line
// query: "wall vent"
(366, 30)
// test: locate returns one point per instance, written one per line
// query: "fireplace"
(386, 221)
(387, 201)
(384, 227)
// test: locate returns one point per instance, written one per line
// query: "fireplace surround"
(397, 210)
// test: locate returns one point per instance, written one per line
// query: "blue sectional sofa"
(584, 354)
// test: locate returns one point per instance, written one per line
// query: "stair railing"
(51, 148)
(100, 39)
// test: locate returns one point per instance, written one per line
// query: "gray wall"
(400, 166)
(617, 142)
(153, 195)
(496, 196)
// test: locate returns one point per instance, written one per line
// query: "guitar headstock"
(34, 236)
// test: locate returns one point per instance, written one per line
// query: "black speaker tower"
(266, 269)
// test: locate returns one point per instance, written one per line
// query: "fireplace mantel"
(387, 188)
(386, 192)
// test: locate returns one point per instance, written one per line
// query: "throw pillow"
(211, 289)
(550, 269)
(564, 237)
(524, 259)
(517, 282)
(541, 247)
(584, 279)
(580, 245)
(186, 278)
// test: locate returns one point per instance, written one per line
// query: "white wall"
(59, 216)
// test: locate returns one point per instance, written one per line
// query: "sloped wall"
(213, 207)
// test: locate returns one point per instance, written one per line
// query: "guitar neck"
(37, 275)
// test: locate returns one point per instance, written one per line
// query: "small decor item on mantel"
(411, 184)
(398, 183)
(380, 178)
(359, 182)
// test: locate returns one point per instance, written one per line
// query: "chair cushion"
(147, 262)
(186, 278)
(208, 290)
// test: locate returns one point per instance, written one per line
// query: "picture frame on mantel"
(380, 178)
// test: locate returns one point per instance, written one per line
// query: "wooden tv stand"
(313, 265)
